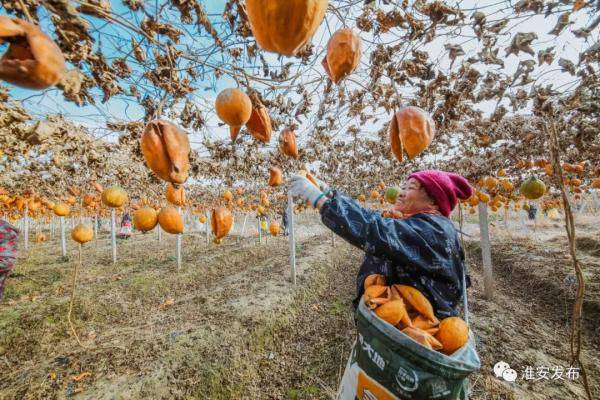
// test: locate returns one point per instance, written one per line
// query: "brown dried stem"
(575, 339)
(77, 265)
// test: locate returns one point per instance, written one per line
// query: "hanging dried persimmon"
(343, 54)
(287, 143)
(166, 150)
(32, 60)
(175, 195)
(285, 26)
(221, 221)
(274, 228)
(259, 123)
(170, 220)
(411, 132)
(233, 107)
(275, 176)
(82, 233)
(145, 219)
(114, 197)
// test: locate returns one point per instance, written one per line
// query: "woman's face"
(412, 198)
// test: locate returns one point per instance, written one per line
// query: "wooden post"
(26, 225)
(583, 205)
(207, 228)
(63, 241)
(267, 233)
(113, 235)
(96, 227)
(179, 243)
(535, 217)
(243, 227)
(486, 253)
(520, 213)
(259, 232)
(290, 210)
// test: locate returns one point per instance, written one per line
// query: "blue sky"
(51, 101)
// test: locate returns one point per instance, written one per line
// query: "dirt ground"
(230, 325)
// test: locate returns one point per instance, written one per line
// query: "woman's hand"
(324, 187)
(303, 188)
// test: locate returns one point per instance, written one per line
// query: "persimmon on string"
(81, 234)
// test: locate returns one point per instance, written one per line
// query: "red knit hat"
(445, 188)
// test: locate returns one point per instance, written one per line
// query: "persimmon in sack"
(417, 300)
(374, 279)
(453, 334)
(375, 295)
(393, 312)
(423, 337)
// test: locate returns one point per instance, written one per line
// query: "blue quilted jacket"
(422, 251)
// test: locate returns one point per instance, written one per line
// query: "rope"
(77, 265)
(464, 269)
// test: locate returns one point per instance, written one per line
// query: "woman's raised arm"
(402, 241)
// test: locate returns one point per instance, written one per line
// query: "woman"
(125, 231)
(284, 222)
(421, 249)
(8, 251)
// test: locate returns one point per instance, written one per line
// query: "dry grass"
(237, 329)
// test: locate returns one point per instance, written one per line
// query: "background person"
(125, 231)
(8, 251)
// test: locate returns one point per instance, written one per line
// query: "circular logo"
(407, 379)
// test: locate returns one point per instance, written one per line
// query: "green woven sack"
(386, 364)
